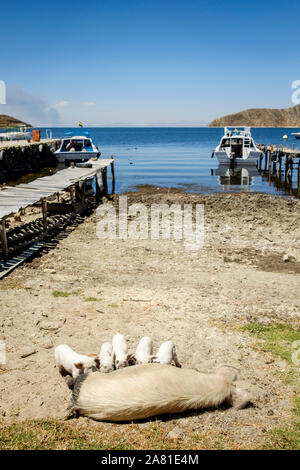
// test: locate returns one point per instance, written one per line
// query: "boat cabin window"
(77, 145)
(225, 143)
(64, 144)
(87, 143)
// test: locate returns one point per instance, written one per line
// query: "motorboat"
(296, 134)
(237, 147)
(77, 148)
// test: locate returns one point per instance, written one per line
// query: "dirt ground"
(85, 290)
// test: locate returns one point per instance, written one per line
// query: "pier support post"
(4, 239)
(112, 176)
(260, 160)
(279, 166)
(298, 189)
(270, 160)
(72, 195)
(266, 159)
(105, 185)
(44, 212)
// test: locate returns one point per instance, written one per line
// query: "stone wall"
(19, 161)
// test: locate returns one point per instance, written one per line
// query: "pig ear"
(79, 365)
(152, 358)
(97, 362)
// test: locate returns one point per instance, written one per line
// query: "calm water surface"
(180, 157)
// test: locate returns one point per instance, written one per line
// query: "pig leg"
(229, 373)
(239, 398)
(175, 358)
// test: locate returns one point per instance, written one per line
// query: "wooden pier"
(278, 164)
(59, 197)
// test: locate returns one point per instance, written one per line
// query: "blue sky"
(143, 62)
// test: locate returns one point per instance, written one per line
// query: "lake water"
(180, 157)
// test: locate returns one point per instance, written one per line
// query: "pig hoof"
(240, 398)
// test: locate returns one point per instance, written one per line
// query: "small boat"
(237, 147)
(77, 148)
(296, 134)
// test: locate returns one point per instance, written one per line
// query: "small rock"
(49, 326)
(270, 413)
(28, 352)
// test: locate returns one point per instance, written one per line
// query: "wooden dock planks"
(12, 199)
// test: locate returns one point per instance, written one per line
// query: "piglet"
(70, 362)
(167, 354)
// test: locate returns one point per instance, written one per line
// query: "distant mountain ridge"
(7, 121)
(261, 117)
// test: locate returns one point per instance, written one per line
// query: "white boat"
(76, 149)
(237, 147)
(19, 132)
(296, 134)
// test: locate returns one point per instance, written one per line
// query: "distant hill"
(261, 117)
(7, 121)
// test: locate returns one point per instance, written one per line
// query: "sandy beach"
(85, 290)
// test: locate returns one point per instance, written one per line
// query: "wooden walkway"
(74, 180)
(15, 198)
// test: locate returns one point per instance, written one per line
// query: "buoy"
(285, 137)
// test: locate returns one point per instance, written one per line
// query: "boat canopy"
(243, 131)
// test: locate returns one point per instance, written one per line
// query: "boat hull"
(250, 160)
(62, 157)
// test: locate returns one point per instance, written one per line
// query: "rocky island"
(261, 117)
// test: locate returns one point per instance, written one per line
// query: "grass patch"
(278, 340)
(90, 299)
(53, 434)
(7, 285)
(113, 305)
(286, 437)
(60, 293)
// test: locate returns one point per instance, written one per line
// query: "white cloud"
(61, 104)
(88, 103)
(28, 108)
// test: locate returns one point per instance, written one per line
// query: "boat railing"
(237, 131)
